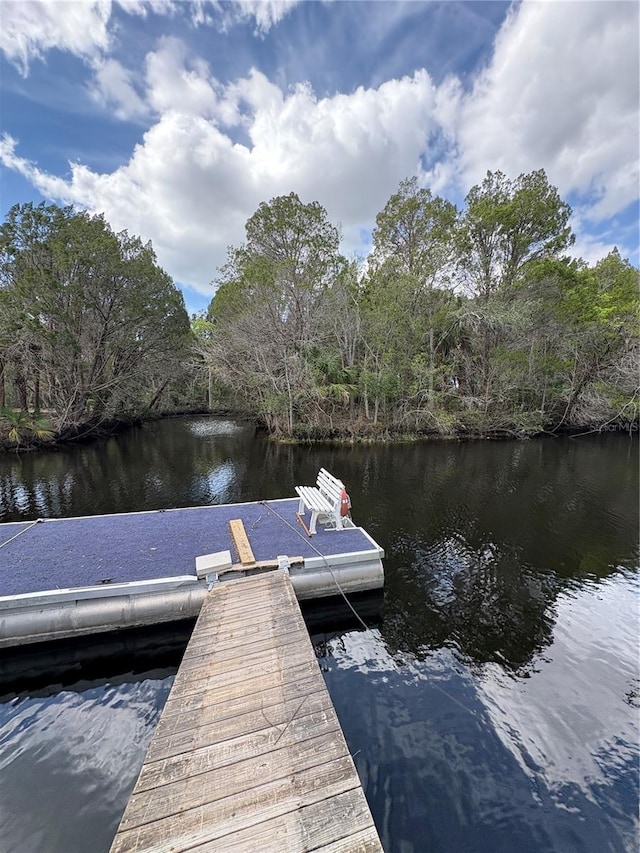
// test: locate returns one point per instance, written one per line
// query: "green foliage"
(91, 326)
(509, 225)
(20, 426)
(266, 313)
(316, 346)
(462, 322)
(414, 234)
(201, 327)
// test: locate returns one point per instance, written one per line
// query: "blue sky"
(176, 119)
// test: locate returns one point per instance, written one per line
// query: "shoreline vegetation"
(90, 432)
(460, 323)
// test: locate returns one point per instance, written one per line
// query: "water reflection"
(494, 707)
(576, 706)
(459, 756)
(69, 762)
(165, 464)
(201, 427)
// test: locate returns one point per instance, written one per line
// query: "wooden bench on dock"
(328, 498)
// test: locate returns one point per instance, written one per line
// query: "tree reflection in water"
(492, 705)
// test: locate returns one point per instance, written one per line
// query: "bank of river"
(493, 708)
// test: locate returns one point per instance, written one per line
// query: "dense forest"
(459, 322)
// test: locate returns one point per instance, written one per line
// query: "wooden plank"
(253, 671)
(176, 720)
(258, 641)
(252, 580)
(364, 841)
(260, 564)
(210, 787)
(296, 696)
(229, 659)
(241, 542)
(302, 830)
(253, 591)
(214, 693)
(248, 753)
(240, 811)
(219, 636)
(207, 733)
(245, 632)
(218, 755)
(250, 607)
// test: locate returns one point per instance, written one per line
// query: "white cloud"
(190, 188)
(593, 247)
(143, 7)
(177, 82)
(31, 28)
(561, 92)
(113, 86)
(266, 13)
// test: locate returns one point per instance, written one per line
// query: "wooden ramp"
(248, 754)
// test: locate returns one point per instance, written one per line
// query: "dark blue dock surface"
(76, 552)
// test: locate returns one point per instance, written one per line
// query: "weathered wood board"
(241, 542)
(248, 754)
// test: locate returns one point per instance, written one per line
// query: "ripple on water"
(68, 763)
(570, 724)
(541, 758)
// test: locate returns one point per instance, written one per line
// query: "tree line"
(458, 322)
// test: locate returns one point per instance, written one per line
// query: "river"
(492, 707)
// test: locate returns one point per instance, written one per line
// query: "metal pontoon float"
(62, 578)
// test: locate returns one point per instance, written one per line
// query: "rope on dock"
(326, 562)
(20, 532)
(352, 608)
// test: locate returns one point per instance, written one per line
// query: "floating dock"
(62, 578)
(248, 754)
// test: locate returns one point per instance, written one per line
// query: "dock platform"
(248, 754)
(62, 578)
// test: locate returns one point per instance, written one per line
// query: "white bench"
(324, 499)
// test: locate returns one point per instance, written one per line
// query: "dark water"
(494, 707)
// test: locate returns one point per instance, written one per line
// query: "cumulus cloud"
(190, 188)
(32, 27)
(561, 92)
(176, 81)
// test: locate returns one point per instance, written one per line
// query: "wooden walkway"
(248, 754)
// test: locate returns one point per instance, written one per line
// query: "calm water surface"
(495, 705)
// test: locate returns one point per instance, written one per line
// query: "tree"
(203, 330)
(600, 314)
(265, 310)
(410, 267)
(100, 327)
(312, 344)
(508, 225)
(414, 231)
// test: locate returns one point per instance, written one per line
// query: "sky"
(176, 119)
